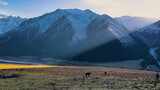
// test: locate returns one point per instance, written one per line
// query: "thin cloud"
(3, 3)
(144, 8)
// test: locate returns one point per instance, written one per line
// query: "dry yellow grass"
(21, 66)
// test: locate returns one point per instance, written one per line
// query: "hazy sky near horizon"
(32, 8)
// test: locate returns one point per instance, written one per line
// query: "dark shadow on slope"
(115, 51)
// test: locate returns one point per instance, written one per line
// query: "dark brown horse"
(88, 74)
(157, 76)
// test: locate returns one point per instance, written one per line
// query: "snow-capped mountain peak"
(79, 19)
(8, 23)
(75, 16)
(2, 16)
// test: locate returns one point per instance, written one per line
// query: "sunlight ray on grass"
(22, 66)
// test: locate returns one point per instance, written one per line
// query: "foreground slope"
(73, 78)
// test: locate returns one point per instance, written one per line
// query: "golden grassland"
(22, 66)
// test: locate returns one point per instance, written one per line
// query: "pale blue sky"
(32, 8)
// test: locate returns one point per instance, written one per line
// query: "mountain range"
(135, 23)
(80, 36)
